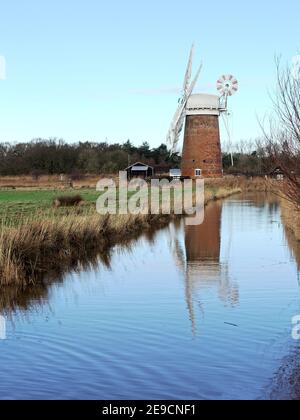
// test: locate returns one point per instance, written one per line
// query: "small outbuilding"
(139, 170)
(277, 173)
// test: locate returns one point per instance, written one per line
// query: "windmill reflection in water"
(199, 259)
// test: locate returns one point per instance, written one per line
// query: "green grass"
(19, 205)
(42, 197)
(22, 206)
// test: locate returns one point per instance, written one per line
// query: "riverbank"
(290, 214)
(291, 217)
(54, 240)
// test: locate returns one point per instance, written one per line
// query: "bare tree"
(283, 134)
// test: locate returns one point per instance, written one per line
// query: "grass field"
(22, 205)
(19, 205)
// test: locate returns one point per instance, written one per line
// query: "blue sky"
(96, 70)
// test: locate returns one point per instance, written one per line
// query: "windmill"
(201, 155)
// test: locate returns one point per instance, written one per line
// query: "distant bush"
(68, 201)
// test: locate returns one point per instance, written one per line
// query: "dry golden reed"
(29, 251)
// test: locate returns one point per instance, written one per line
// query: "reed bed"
(221, 193)
(291, 217)
(31, 250)
(290, 210)
(256, 184)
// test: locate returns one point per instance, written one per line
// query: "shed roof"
(138, 166)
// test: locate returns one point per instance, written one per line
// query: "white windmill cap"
(203, 104)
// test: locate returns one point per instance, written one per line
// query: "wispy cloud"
(2, 68)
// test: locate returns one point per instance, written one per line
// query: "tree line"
(51, 156)
(248, 157)
(42, 156)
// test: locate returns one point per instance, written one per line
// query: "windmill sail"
(178, 120)
(188, 73)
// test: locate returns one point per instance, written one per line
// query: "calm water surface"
(188, 313)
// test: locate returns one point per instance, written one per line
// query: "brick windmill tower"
(201, 154)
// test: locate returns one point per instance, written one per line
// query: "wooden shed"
(139, 170)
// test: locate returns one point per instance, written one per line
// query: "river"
(184, 313)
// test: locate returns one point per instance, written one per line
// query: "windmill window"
(198, 172)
